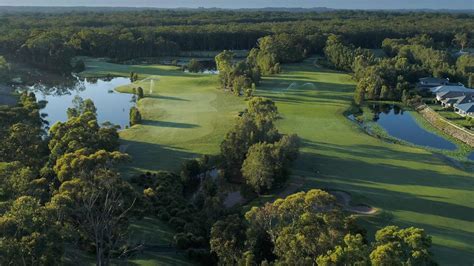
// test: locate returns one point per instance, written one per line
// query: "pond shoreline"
(452, 130)
(112, 106)
(456, 157)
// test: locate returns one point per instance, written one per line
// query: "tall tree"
(461, 39)
(30, 234)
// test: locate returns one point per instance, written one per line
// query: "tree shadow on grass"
(394, 174)
(425, 206)
(322, 92)
(162, 97)
(381, 184)
(168, 124)
(153, 157)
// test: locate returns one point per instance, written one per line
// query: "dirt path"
(345, 198)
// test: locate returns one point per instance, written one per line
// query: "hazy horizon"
(337, 4)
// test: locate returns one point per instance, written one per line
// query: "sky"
(339, 4)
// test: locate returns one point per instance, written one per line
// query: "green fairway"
(412, 186)
(185, 115)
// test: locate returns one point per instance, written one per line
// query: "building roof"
(450, 94)
(466, 107)
(469, 98)
(444, 88)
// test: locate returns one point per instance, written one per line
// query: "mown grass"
(412, 186)
(186, 116)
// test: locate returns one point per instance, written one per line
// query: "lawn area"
(184, 116)
(451, 116)
(412, 186)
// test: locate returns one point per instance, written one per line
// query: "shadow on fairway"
(148, 157)
(168, 124)
(161, 97)
(324, 93)
(379, 185)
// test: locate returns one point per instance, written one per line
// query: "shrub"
(135, 116)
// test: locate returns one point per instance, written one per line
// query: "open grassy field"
(185, 115)
(411, 186)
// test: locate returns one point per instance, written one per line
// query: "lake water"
(111, 106)
(401, 124)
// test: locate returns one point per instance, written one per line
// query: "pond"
(402, 125)
(111, 106)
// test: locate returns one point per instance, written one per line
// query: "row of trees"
(242, 77)
(310, 228)
(237, 77)
(37, 38)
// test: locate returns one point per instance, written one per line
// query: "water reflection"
(111, 106)
(401, 124)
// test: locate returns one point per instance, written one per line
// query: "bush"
(135, 116)
(79, 66)
(188, 240)
(194, 66)
(201, 255)
(140, 94)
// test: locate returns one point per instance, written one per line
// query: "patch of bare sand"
(345, 198)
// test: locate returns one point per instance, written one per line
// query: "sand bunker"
(309, 86)
(295, 85)
(292, 86)
(344, 199)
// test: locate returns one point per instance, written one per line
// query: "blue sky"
(345, 4)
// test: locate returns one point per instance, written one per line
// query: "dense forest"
(50, 40)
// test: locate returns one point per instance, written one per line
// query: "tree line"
(51, 40)
(393, 76)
